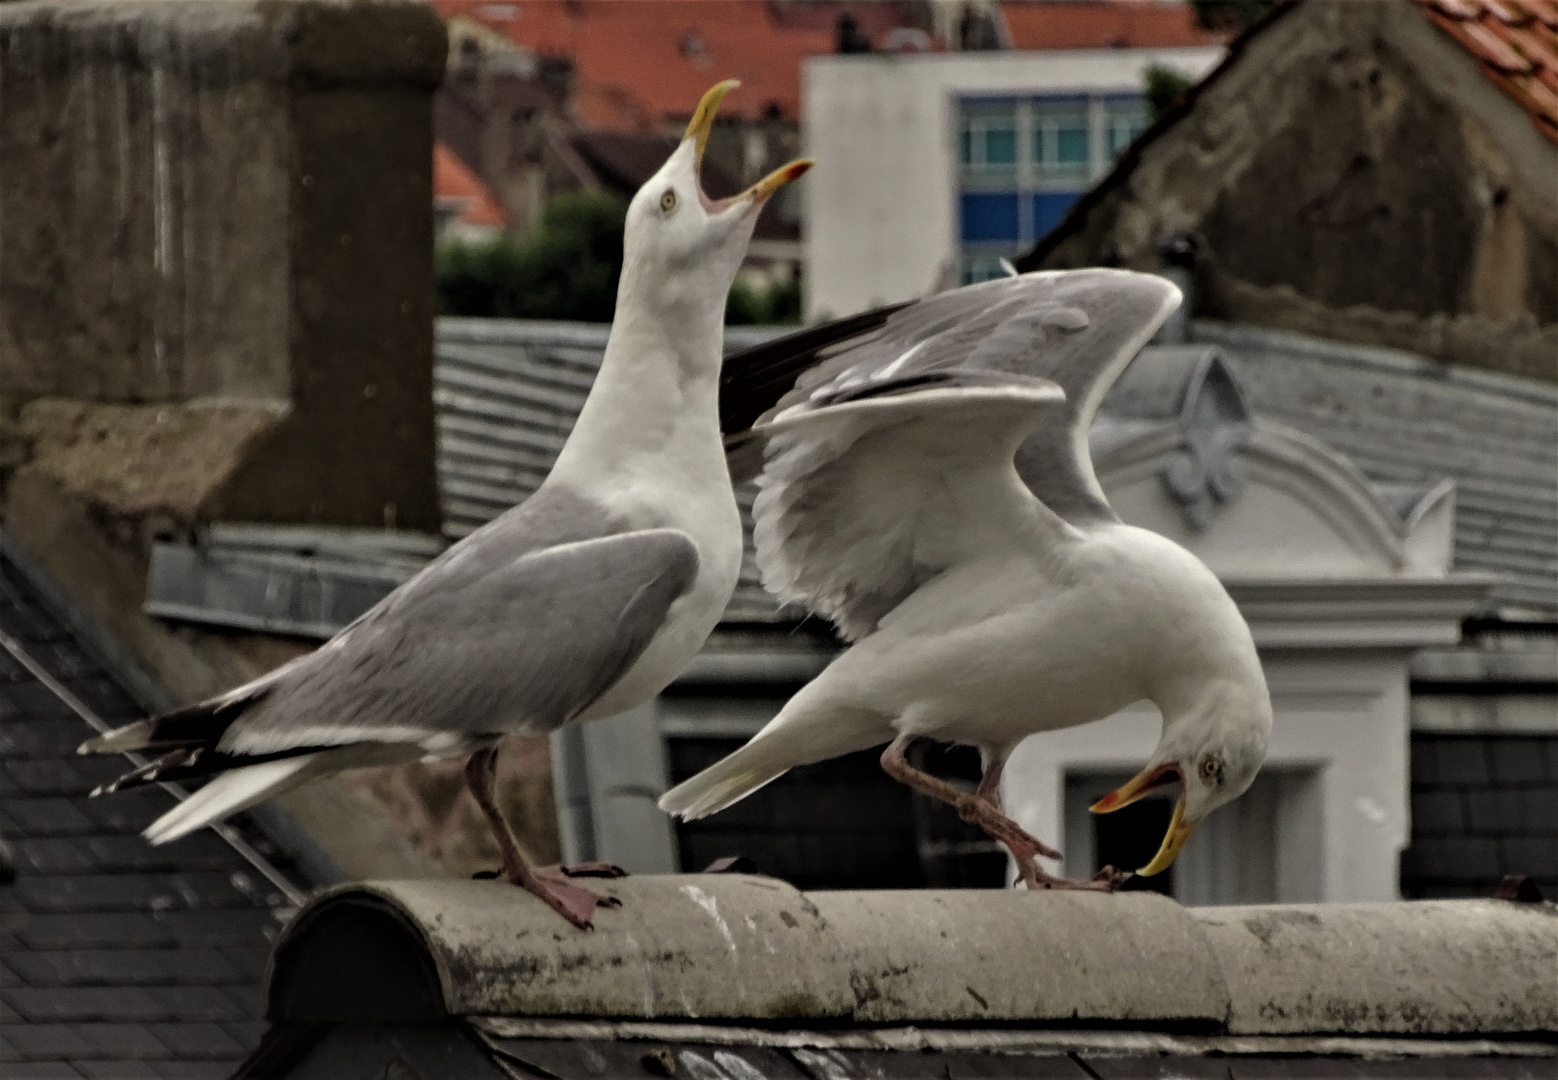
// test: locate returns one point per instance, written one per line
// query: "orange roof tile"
(643, 64)
(1104, 24)
(1516, 42)
(454, 181)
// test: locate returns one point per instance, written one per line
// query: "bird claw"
(598, 869)
(1107, 880)
(552, 885)
(573, 902)
(1116, 879)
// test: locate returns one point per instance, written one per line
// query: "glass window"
(990, 215)
(1071, 145)
(988, 142)
(1000, 146)
(1061, 139)
(1125, 120)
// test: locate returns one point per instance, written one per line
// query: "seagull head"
(1212, 749)
(681, 247)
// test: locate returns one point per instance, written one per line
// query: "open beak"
(760, 191)
(1179, 831)
(698, 129)
(702, 121)
(1145, 783)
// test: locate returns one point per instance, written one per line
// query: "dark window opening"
(1130, 837)
(844, 823)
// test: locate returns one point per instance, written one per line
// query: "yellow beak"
(703, 117)
(1144, 783)
(1179, 831)
(760, 191)
(702, 123)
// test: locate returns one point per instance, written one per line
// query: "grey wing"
(864, 498)
(526, 645)
(1076, 328)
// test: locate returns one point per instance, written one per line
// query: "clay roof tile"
(1516, 42)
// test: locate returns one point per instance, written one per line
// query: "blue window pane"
(1049, 207)
(1001, 146)
(967, 151)
(989, 216)
(1071, 145)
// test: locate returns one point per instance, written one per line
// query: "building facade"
(932, 168)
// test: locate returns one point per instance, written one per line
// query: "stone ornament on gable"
(1206, 472)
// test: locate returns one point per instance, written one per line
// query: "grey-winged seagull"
(927, 485)
(585, 600)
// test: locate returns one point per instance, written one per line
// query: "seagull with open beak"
(583, 601)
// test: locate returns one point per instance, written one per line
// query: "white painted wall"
(1312, 537)
(1340, 718)
(881, 202)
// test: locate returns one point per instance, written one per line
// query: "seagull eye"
(1212, 769)
(668, 201)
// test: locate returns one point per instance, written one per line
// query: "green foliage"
(566, 269)
(779, 304)
(1162, 86)
(1233, 15)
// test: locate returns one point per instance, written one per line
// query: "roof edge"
(750, 951)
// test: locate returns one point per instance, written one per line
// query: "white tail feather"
(229, 793)
(723, 783)
(805, 731)
(120, 740)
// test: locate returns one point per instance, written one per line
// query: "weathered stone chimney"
(215, 256)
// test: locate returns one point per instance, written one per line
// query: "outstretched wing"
(1076, 328)
(519, 627)
(892, 456)
(871, 490)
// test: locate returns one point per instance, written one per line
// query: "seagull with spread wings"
(583, 601)
(926, 484)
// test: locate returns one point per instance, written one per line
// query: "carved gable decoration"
(1178, 450)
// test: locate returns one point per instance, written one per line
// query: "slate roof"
(117, 959)
(1402, 419)
(1483, 806)
(506, 394)
(1516, 44)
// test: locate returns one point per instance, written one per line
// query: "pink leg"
(573, 902)
(981, 808)
(990, 780)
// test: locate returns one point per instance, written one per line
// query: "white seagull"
(583, 601)
(927, 485)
